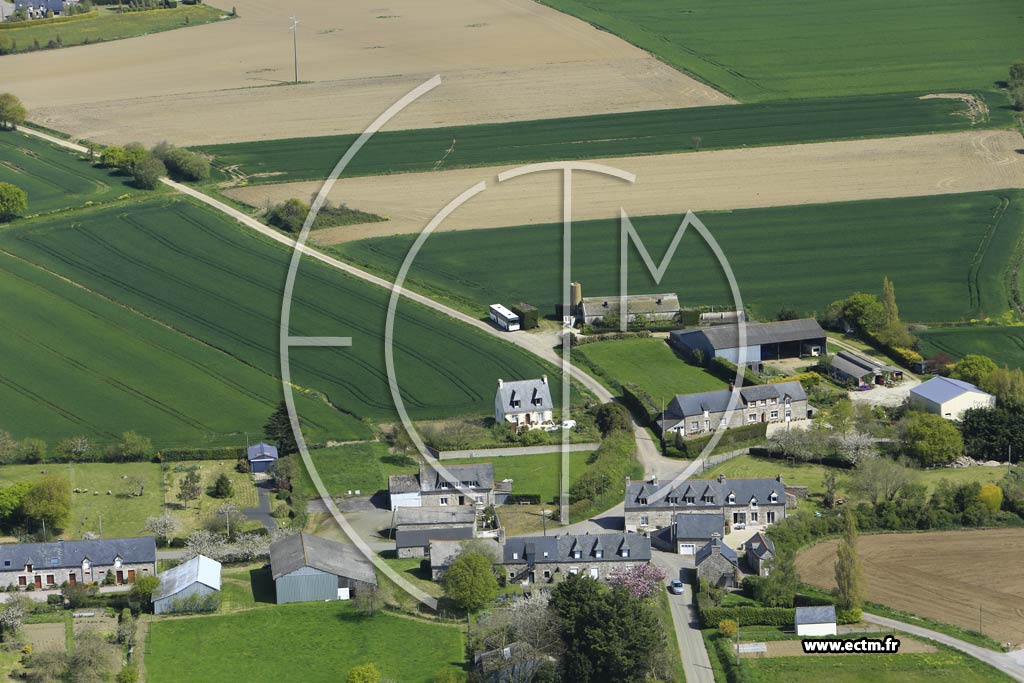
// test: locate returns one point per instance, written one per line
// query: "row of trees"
(13, 199)
(875, 319)
(1016, 84)
(132, 447)
(146, 167)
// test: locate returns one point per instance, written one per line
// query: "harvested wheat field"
(942, 575)
(200, 85)
(673, 183)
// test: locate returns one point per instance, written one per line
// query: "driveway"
(886, 396)
(262, 512)
(696, 664)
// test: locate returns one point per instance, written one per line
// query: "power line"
(294, 28)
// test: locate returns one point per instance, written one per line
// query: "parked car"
(676, 587)
(569, 424)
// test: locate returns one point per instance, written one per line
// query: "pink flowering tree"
(642, 580)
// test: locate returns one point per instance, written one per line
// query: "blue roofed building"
(261, 457)
(949, 397)
(48, 565)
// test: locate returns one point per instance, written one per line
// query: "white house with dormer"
(524, 403)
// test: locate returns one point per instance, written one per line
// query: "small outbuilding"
(261, 457)
(199, 577)
(815, 621)
(308, 568)
(691, 531)
(717, 564)
(949, 397)
(759, 551)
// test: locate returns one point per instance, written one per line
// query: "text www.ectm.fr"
(888, 645)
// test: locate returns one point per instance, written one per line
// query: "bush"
(747, 616)
(728, 628)
(849, 616)
(612, 417)
(13, 201)
(642, 404)
(288, 215)
(182, 163)
(677, 446)
(195, 604)
(222, 487)
(528, 318)
(147, 172)
(726, 371)
(611, 463)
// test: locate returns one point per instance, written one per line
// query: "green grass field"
(944, 665)
(649, 363)
(799, 256)
(366, 467)
(121, 514)
(77, 363)
(811, 475)
(106, 25)
(604, 135)
(1005, 345)
(53, 178)
(197, 272)
(320, 641)
(786, 49)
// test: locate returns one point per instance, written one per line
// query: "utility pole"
(294, 28)
(980, 629)
(737, 644)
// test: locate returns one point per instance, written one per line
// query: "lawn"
(366, 467)
(105, 25)
(118, 514)
(946, 664)
(601, 136)
(789, 49)
(244, 586)
(826, 250)
(811, 475)
(195, 513)
(651, 363)
(54, 178)
(75, 362)
(1005, 345)
(193, 270)
(322, 641)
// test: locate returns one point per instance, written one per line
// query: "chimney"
(501, 382)
(778, 477)
(716, 549)
(544, 379)
(654, 480)
(721, 478)
(627, 480)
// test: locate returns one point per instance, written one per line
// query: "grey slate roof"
(859, 366)
(305, 550)
(432, 514)
(532, 395)
(646, 304)
(727, 336)
(66, 554)
(470, 476)
(706, 552)
(532, 549)
(200, 569)
(262, 451)
(692, 405)
(421, 538)
(744, 490)
(942, 389)
(701, 526)
(403, 483)
(443, 553)
(815, 615)
(55, 5)
(759, 545)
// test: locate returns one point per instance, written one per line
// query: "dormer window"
(85, 565)
(28, 567)
(753, 502)
(689, 500)
(732, 498)
(577, 554)
(671, 501)
(599, 553)
(774, 498)
(625, 552)
(515, 556)
(642, 501)
(117, 563)
(545, 553)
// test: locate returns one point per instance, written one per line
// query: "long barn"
(309, 568)
(764, 341)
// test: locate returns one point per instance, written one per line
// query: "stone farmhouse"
(548, 559)
(949, 397)
(48, 565)
(468, 485)
(717, 564)
(696, 414)
(759, 551)
(524, 404)
(764, 341)
(654, 307)
(651, 505)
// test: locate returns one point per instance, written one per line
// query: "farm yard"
(675, 183)
(118, 514)
(53, 178)
(650, 363)
(189, 87)
(606, 135)
(968, 569)
(103, 24)
(1005, 345)
(782, 50)
(197, 272)
(953, 278)
(322, 640)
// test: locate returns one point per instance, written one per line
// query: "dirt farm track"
(673, 183)
(943, 575)
(216, 83)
